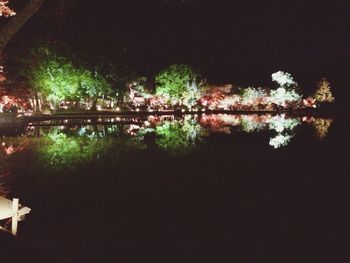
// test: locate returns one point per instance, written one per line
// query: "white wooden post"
(15, 204)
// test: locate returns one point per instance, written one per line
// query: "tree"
(176, 82)
(287, 91)
(8, 31)
(93, 85)
(56, 78)
(323, 93)
(5, 10)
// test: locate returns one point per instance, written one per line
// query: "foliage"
(5, 10)
(177, 83)
(287, 91)
(58, 78)
(323, 92)
(253, 96)
(93, 84)
(284, 79)
(191, 95)
(282, 96)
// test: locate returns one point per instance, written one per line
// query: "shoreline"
(16, 118)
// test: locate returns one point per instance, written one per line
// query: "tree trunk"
(94, 105)
(15, 24)
(37, 103)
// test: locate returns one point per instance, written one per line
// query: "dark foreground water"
(207, 188)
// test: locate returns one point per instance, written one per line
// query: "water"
(218, 188)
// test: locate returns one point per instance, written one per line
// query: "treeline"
(52, 79)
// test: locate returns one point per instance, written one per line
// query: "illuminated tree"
(5, 10)
(56, 78)
(323, 92)
(252, 96)
(92, 85)
(287, 93)
(284, 79)
(175, 83)
(282, 96)
(191, 95)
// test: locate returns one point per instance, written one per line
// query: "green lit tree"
(54, 77)
(323, 92)
(176, 83)
(93, 86)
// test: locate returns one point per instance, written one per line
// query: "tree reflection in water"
(180, 138)
(65, 147)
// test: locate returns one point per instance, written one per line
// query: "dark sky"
(219, 36)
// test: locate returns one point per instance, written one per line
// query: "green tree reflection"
(61, 151)
(179, 138)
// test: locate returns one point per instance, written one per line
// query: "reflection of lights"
(117, 109)
(137, 109)
(203, 110)
(280, 140)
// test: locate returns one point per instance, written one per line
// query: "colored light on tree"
(176, 82)
(323, 92)
(284, 79)
(282, 96)
(5, 10)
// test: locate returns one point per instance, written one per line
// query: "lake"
(193, 188)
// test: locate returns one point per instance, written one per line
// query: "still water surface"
(219, 188)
